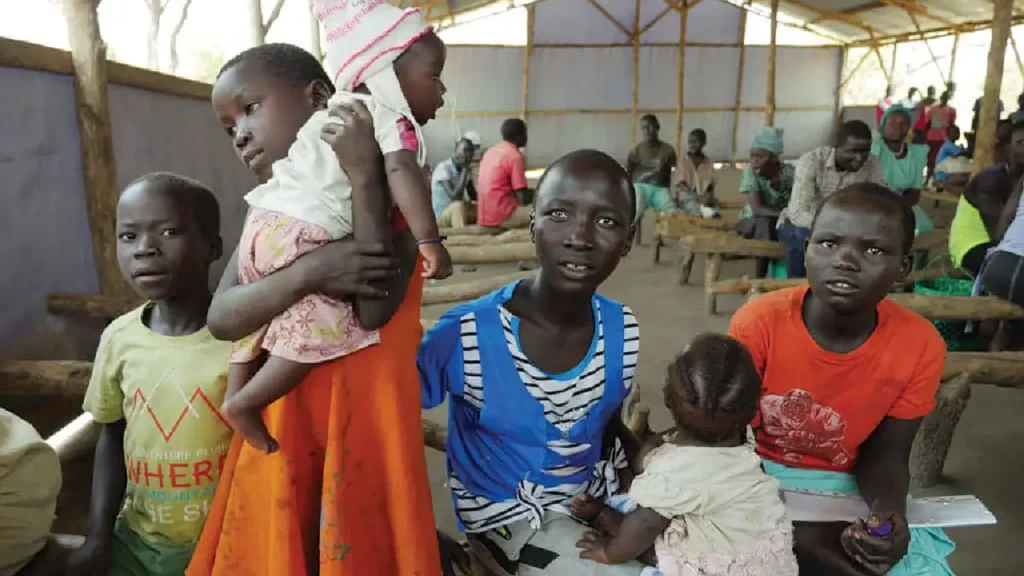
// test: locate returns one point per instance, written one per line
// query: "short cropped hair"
(285, 62)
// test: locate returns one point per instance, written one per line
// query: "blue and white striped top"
(520, 440)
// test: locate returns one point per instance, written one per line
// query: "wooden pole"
(952, 56)
(837, 120)
(739, 86)
(927, 45)
(881, 64)
(984, 153)
(314, 33)
(769, 113)
(527, 56)
(892, 64)
(633, 120)
(1016, 53)
(680, 72)
(89, 58)
(853, 71)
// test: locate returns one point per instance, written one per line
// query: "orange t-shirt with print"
(817, 407)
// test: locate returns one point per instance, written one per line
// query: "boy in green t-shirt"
(157, 384)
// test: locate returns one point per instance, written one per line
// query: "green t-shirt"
(169, 391)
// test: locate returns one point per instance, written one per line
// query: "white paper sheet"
(939, 512)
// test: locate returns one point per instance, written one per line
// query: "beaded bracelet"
(437, 240)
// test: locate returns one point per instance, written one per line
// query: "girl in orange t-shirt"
(839, 405)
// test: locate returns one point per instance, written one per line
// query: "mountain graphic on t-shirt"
(189, 401)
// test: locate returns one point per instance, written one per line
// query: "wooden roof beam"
(934, 33)
(913, 8)
(844, 17)
(851, 11)
(608, 15)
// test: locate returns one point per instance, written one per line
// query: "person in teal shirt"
(903, 163)
(767, 183)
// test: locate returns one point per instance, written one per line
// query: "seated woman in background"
(535, 375)
(839, 409)
(1001, 274)
(694, 186)
(903, 163)
(974, 230)
(768, 183)
(649, 166)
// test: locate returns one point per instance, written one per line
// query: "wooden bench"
(715, 247)
(106, 308)
(719, 246)
(677, 225)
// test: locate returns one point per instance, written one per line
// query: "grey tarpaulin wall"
(44, 233)
(579, 93)
(581, 77)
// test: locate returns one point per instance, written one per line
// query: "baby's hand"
(593, 545)
(586, 507)
(437, 262)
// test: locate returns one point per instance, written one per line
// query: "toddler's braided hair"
(713, 388)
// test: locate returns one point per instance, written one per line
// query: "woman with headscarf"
(768, 184)
(903, 163)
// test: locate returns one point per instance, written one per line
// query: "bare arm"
(410, 193)
(758, 207)
(636, 534)
(1009, 211)
(108, 483)
(238, 310)
(882, 470)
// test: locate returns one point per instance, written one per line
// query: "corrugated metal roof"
(850, 21)
(884, 20)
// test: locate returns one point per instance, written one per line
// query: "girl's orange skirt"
(347, 494)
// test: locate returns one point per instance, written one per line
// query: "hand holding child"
(345, 269)
(437, 263)
(350, 134)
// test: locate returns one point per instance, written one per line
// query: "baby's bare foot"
(586, 507)
(249, 423)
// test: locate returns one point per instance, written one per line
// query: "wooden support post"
(46, 378)
(927, 45)
(635, 37)
(685, 265)
(985, 143)
(856, 67)
(89, 58)
(928, 454)
(680, 85)
(837, 119)
(713, 268)
(769, 113)
(892, 64)
(739, 86)
(531, 15)
(952, 56)
(881, 64)
(1016, 53)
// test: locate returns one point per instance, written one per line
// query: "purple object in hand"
(883, 529)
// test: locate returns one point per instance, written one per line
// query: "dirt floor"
(670, 315)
